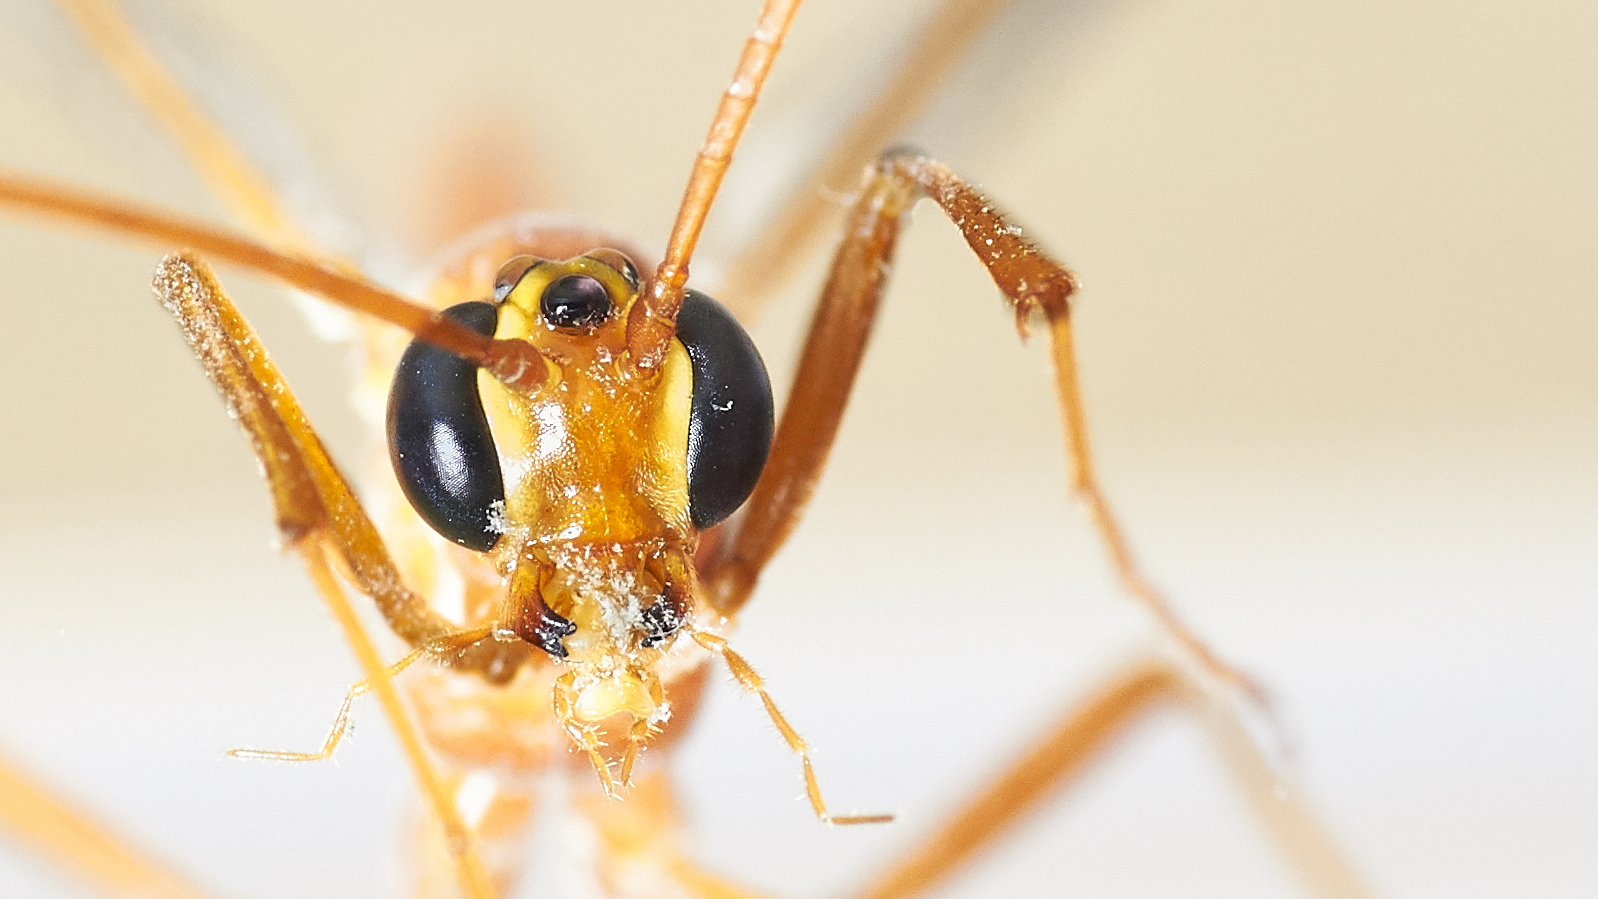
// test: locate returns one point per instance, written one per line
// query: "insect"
(857, 784)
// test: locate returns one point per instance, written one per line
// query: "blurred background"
(1337, 344)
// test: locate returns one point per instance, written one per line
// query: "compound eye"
(511, 274)
(576, 301)
(731, 418)
(619, 261)
(439, 440)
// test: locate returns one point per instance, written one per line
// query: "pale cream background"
(1338, 345)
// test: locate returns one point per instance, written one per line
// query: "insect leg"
(828, 364)
(1068, 747)
(1075, 741)
(752, 682)
(831, 357)
(808, 213)
(341, 720)
(1029, 280)
(49, 826)
(318, 516)
(1034, 284)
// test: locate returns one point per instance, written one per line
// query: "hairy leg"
(318, 516)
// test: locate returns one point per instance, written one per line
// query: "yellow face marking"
(601, 456)
(596, 494)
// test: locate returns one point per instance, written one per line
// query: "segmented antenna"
(653, 319)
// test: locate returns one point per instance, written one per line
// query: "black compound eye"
(732, 418)
(439, 440)
(576, 301)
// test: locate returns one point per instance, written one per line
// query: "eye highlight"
(511, 274)
(619, 261)
(576, 301)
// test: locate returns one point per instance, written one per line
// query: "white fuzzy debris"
(552, 436)
(498, 521)
(621, 610)
(661, 715)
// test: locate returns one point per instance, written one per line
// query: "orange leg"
(1033, 285)
(1029, 280)
(808, 215)
(752, 682)
(1074, 742)
(49, 826)
(341, 719)
(320, 518)
(1061, 754)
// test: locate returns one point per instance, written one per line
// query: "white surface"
(1337, 340)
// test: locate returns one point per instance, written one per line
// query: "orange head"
(586, 490)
